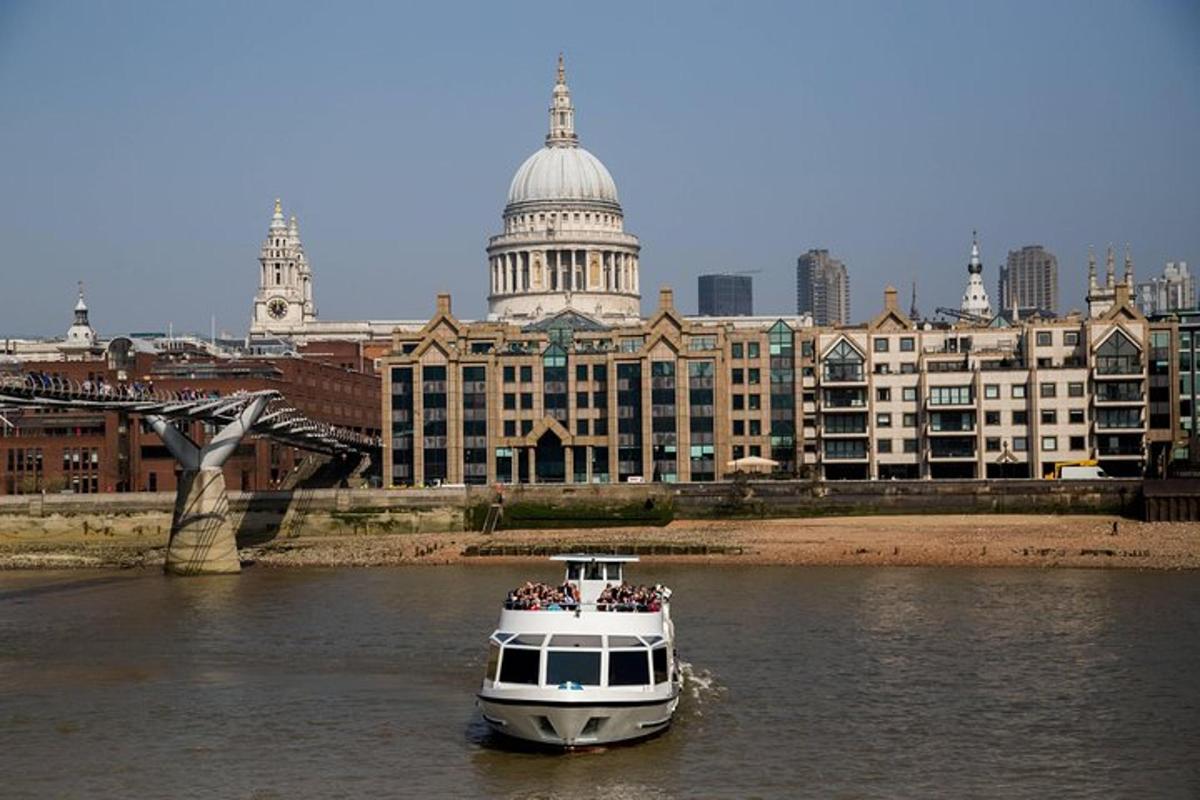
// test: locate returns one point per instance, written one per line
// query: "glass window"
(880, 344)
(520, 665)
(574, 640)
(843, 363)
(991, 391)
(510, 374)
(659, 658)
(907, 344)
(1048, 390)
(950, 395)
(1078, 443)
(1049, 416)
(739, 402)
(1018, 391)
(883, 420)
(567, 666)
(991, 418)
(1020, 418)
(1074, 390)
(753, 376)
(908, 393)
(738, 377)
(883, 394)
(1020, 444)
(595, 572)
(883, 446)
(1044, 339)
(581, 372)
(1071, 338)
(628, 668)
(910, 445)
(735, 351)
(1049, 443)
(526, 374)
(493, 661)
(992, 445)
(910, 420)
(1075, 416)
(751, 349)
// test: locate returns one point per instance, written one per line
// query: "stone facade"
(672, 398)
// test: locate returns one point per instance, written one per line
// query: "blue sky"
(143, 144)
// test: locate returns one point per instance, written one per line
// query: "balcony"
(952, 449)
(1108, 367)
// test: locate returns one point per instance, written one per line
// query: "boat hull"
(577, 723)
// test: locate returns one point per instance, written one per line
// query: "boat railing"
(636, 608)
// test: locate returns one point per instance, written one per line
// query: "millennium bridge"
(202, 537)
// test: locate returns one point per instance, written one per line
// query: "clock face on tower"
(277, 308)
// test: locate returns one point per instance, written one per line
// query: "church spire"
(562, 113)
(277, 221)
(975, 265)
(1128, 266)
(1110, 268)
(1091, 267)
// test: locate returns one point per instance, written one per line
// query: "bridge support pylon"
(202, 538)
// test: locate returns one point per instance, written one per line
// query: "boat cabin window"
(493, 661)
(628, 668)
(659, 658)
(574, 570)
(574, 640)
(529, 639)
(520, 665)
(569, 666)
(614, 572)
(624, 641)
(594, 572)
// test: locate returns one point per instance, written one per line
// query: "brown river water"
(804, 682)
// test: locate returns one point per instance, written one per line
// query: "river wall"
(145, 518)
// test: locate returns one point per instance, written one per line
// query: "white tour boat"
(588, 662)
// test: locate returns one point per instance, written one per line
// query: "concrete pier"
(202, 537)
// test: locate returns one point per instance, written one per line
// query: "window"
(883, 420)
(526, 426)
(1049, 443)
(520, 665)
(751, 349)
(510, 401)
(843, 363)
(702, 343)
(510, 427)
(880, 344)
(755, 401)
(883, 446)
(659, 659)
(753, 376)
(738, 377)
(1020, 444)
(1118, 356)
(572, 666)
(581, 399)
(908, 393)
(1020, 418)
(755, 427)
(739, 402)
(1049, 416)
(910, 420)
(907, 344)
(910, 445)
(950, 395)
(1071, 338)
(581, 372)
(1018, 391)
(1074, 390)
(1078, 443)
(628, 668)
(1075, 416)
(735, 350)
(1044, 339)
(510, 374)
(1048, 390)
(883, 395)
(991, 391)
(581, 427)
(526, 374)
(739, 427)
(908, 368)
(526, 400)
(991, 418)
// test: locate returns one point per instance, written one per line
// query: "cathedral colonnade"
(564, 270)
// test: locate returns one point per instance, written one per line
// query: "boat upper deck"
(593, 582)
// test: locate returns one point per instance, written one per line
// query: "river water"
(806, 682)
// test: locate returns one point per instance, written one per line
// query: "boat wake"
(699, 687)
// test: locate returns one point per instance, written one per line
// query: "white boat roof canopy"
(595, 557)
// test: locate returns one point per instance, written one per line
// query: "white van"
(1082, 474)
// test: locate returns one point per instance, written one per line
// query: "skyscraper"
(822, 288)
(726, 295)
(1029, 279)
(1175, 290)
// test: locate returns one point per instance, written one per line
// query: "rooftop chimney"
(666, 298)
(443, 303)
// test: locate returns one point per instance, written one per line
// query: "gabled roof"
(567, 319)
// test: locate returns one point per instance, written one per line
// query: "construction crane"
(963, 315)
